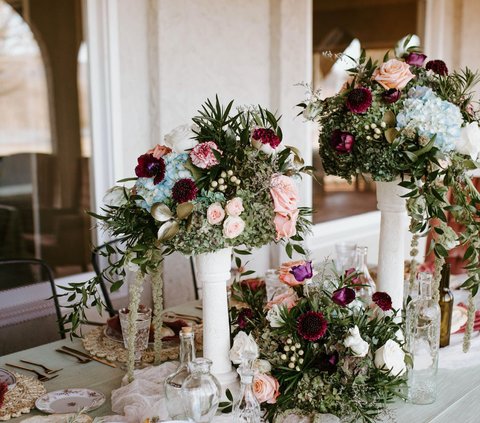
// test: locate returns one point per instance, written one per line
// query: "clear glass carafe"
(422, 343)
(246, 408)
(201, 392)
(174, 382)
(365, 282)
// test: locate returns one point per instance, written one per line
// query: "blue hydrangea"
(174, 170)
(428, 115)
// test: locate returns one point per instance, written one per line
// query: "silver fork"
(80, 359)
(41, 377)
(47, 370)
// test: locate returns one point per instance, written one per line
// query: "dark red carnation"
(342, 142)
(391, 96)
(311, 325)
(343, 296)
(383, 300)
(415, 59)
(150, 167)
(184, 190)
(359, 100)
(244, 316)
(266, 136)
(3, 391)
(438, 66)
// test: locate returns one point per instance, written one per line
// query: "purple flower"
(150, 167)
(391, 96)
(437, 66)
(243, 318)
(383, 300)
(184, 190)
(359, 100)
(311, 325)
(415, 59)
(302, 272)
(343, 296)
(342, 142)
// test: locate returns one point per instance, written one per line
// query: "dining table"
(457, 401)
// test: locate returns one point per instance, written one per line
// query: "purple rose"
(383, 300)
(343, 296)
(437, 66)
(150, 167)
(302, 272)
(415, 59)
(359, 100)
(342, 142)
(391, 96)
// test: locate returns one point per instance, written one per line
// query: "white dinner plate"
(70, 401)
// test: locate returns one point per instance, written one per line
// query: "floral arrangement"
(320, 347)
(410, 118)
(226, 180)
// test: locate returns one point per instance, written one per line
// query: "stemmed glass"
(142, 331)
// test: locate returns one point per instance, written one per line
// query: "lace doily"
(97, 344)
(21, 399)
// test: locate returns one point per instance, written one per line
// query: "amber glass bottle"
(446, 306)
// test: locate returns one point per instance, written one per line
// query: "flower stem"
(135, 292)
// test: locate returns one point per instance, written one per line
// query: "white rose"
(355, 342)
(274, 316)
(262, 366)
(115, 196)
(244, 347)
(469, 141)
(181, 138)
(391, 358)
(233, 227)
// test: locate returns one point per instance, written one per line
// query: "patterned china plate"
(70, 401)
(8, 378)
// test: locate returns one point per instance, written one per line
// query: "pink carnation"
(202, 155)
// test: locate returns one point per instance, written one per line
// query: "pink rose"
(266, 388)
(234, 207)
(233, 227)
(284, 193)
(202, 155)
(159, 151)
(288, 299)
(393, 74)
(286, 224)
(286, 276)
(215, 214)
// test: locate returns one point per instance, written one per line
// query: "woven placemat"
(21, 399)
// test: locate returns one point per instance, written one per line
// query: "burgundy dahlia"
(359, 100)
(383, 300)
(311, 325)
(244, 316)
(415, 59)
(438, 66)
(342, 142)
(391, 96)
(184, 190)
(150, 167)
(302, 272)
(266, 136)
(343, 296)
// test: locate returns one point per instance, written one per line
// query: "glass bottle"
(246, 408)
(422, 343)
(200, 392)
(446, 306)
(174, 382)
(365, 281)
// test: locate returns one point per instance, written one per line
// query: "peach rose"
(284, 272)
(284, 193)
(233, 227)
(393, 74)
(234, 207)
(285, 224)
(266, 388)
(159, 151)
(288, 299)
(215, 214)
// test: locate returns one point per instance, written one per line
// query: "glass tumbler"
(201, 392)
(345, 254)
(142, 331)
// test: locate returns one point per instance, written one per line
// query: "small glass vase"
(201, 392)
(173, 383)
(246, 408)
(366, 284)
(422, 343)
(142, 331)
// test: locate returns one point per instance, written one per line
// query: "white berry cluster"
(225, 178)
(376, 131)
(293, 355)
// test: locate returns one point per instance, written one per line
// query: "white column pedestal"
(391, 253)
(213, 272)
